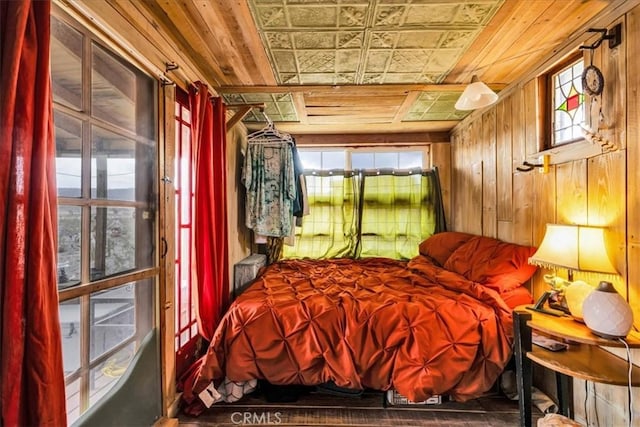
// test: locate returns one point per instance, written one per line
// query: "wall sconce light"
(476, 95)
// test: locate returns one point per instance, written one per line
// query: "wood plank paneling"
(368, 139)
(518, 131)
(167, 225)
(441, 158)
(532, 118)
(489, 200)
(535, 24)
(613, 117)
(571, 192)
(505, 231)
(504, 160)
(544, 212)
(586, 186)
(607, 204)
(456, 153)
(523, 208)
(473, 214)
(633, 161)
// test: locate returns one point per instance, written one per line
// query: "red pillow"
(441, 245)
(496, 264)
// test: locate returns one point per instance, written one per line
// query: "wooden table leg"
(564, 386)
(522, 337)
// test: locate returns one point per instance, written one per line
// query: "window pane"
(410, 159)
(105, 375)
(113, 166)
(112, 318)
(386, 160)
(185, 282)
(113, 89)
(333, 159)
(69, 250)
(68, 131)
(568, 103)
(114, 243)
(186, 115)
(72, 391)
(66, 64)
(311, 159)
(362, 161)
(70, 327)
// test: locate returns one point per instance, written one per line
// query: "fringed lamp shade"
(574, 247)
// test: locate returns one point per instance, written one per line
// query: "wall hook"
(170, 66)
(544, 166)
(614, 35)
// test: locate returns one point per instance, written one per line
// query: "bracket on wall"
(241, 111)
(614, 35)
(544, 166)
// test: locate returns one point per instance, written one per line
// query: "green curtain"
(369, 213)
(329, 231)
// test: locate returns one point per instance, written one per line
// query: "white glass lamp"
(476, 95)
(606, 313)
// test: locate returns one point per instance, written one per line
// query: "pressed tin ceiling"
(350, 66)
(346, 42)
(368, 42)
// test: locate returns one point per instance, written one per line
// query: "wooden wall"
(491, 197)
(239, 235)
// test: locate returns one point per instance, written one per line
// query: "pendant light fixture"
(476, 95)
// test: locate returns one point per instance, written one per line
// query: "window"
(185, 321)
(383, 205)
(363, 158)
(106, 155)
(567, 112)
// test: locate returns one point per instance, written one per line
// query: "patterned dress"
(270, 188)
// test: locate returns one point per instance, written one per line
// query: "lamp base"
(607, 336)
(559, 307)
(539, 306)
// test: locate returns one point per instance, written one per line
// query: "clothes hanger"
(269, 134)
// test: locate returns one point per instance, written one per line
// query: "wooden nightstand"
(584, 358)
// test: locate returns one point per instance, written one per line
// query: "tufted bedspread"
(371, 323)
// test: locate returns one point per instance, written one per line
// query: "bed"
(438, 324)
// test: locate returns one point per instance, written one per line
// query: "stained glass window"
(568, 103)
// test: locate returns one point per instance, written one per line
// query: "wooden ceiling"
(356, 66)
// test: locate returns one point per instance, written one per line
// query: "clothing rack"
(241, 111)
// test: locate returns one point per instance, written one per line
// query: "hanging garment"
(270, 187)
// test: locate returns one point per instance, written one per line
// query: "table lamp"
(574, 247)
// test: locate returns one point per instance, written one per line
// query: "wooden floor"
(317, 409)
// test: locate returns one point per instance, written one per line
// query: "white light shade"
(476, 95)
(573, 247)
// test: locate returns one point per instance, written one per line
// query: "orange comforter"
(371, 323)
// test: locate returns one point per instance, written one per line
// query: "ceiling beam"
(296, 128)
(364, 139)
(353, 89)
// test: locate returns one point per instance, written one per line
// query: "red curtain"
(32, 378)
(208, 135)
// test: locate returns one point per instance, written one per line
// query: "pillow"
(496, 264)
(440, 246)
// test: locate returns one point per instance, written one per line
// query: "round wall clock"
(592, 80)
